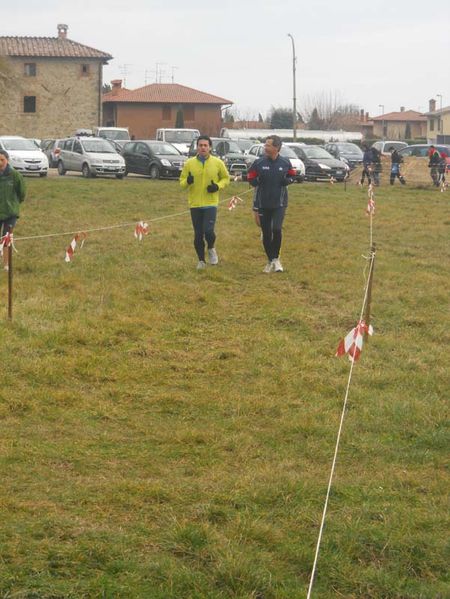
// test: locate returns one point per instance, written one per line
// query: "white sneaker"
(268, 267)
(213, 257)
(201, 265)
(276, 265)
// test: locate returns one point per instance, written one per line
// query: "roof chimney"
(116, 85)
(432, 105)
(402, 109)
(62, 31)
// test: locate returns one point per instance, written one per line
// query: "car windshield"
(396, 145)
(114, 134)
(97, 146)
(316, 152)
(288, 152)
(228, 146)
(19, 144)
(164, 149)
(350, 148)
(182, 137)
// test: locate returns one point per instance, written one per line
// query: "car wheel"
(86, 171)
(61, 169)
(154, 172)
(42, 174)
(121, 176)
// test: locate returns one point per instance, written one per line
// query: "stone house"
(157, 105)
(406, 124)
(49, 86)
(438, 124)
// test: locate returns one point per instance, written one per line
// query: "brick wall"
(66, 97)
(143, 119)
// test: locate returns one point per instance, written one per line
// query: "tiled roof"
(405, 115)
(438, 112)
(48, 47)
(164, 93)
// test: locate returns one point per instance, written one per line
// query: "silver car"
(90, 156)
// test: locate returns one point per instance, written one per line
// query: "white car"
(24, 155)
(90, 156)
(257, 151)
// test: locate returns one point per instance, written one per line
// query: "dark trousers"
(271, 221)
(203, 221)
(6, 224)
(366, 173)
(395, 172)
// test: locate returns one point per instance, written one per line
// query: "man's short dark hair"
(206, 138)
(276, 141)
(5, 154)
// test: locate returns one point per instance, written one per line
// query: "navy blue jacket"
(271, 178)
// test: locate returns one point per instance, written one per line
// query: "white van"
(180, 138)
(114, 133)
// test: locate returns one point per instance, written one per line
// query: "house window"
(85, 69)
(30, 69)
(431, 124)
(166, 112)
(189, 113)
(29, 103)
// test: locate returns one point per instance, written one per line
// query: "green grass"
(168, 434)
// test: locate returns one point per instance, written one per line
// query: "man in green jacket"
(12, 193)
(203, 175)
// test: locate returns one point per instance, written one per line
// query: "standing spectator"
(396, 160)
(367, 165)
(433, 164)
(204, 175)
(442, 167)
(12, 193)
(376, 165)
(271, 174)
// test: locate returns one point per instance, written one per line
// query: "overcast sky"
(389, 52)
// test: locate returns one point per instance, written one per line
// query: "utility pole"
(294, 100)
(382, 122)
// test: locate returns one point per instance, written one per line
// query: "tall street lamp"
(294, 100)
(382, 122)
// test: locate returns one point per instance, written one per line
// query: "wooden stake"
(369, 289)
(10, 277)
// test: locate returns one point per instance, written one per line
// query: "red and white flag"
(78, 239)
(6, 241)
(234, 202)
(370, 210)
(140, 230)
(353, 342)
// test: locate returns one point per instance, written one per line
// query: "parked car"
(421, 151)
(346, 152)
(229, 151)
(257, 151)
(319, 164)
(155, 159)
(51, 149)
(112, 133)
(180, 138)
(385, 147)
(90, 156)
(24, 155)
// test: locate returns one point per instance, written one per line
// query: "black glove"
(190, 178)
(285, 181)
(213, 187)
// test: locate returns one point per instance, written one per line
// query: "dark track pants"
(271, 220)
(203, 221)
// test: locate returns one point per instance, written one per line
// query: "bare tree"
(330, 111)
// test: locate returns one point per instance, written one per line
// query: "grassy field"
(168, 433)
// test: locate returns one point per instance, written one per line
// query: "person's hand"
(212, 187)
(190, 178)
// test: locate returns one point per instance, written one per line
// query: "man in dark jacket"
(271, 175)
(367, 165)
(433, 164)
(396, 160)
(12, 193)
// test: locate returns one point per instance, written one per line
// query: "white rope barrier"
(118, 226)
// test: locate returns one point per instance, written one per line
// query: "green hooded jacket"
(12, 192)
